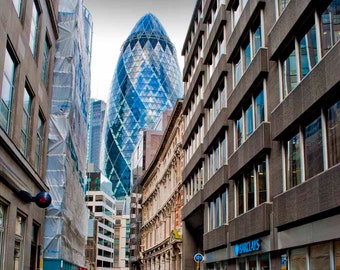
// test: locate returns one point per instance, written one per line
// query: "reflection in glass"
(293, 162)
(333, 134)
(313, 148)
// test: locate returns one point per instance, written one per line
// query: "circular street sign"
(198, 257)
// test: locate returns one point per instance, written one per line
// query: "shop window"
(252, 263)
(293, 161)
(313, 148)
(264, 261)
(333, 134)
(241, 264)
(298, 259)
(337, 255)
(319, 257)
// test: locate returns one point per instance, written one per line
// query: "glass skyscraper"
(147, 81)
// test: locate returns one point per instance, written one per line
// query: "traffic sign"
(198, 257)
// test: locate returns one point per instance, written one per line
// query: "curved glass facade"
(147, 81)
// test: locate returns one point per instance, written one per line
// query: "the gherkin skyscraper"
(147, 81)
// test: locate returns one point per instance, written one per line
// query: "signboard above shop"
(247, 247)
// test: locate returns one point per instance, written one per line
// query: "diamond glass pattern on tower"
(147, 81)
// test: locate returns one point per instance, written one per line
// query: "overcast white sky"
(113, 21)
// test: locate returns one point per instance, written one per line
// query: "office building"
(103, 207)
(28, 34)
(261, 120)
(96, 122)
(67, 217)
(162, 200)
(146, 82)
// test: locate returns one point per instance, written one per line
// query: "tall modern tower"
(96, 121)
(147, 81)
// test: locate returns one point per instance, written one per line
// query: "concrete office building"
(28, 33)
(261, 150)
(100, 202)
(161, 185)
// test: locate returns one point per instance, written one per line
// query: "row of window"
(19, 240)
(309, 47)
(314, 147)
(218, 210)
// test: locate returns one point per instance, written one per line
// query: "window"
(19, 242)
(45, 61)
(289, 74)
(282, 5)
(249, 179)
(2, 234)
(249, 121)
(217, 211)
(313, 148)
(308, 51)
(257, 36)
(261, 176)
(40, 143)
(333, 134)
(337, 254)
(247, 55)
(7, 91)
(259, 109)
(237, 68)
(34, 28)
(293, 160)
(319, 257)
(330, 26)
(254, 115)
(239, 131)
(237, 11)
(34, 262)
(18, 6)
(251, 188)
(316, 141)
(26, 121)
(254, 262)
(305, 51)
(240, 196)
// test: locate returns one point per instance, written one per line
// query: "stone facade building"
(28, 33)
(161, 232)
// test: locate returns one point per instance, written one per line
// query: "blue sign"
(247, 247)
(198, 257)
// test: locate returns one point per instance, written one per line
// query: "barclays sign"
(247, 247)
